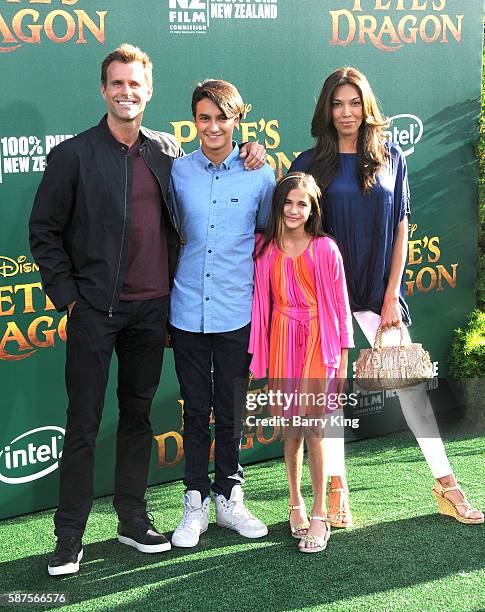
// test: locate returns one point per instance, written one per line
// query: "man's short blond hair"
(127, 54)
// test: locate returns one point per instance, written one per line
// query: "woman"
(365, 189)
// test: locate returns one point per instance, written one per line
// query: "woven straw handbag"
(392, 367)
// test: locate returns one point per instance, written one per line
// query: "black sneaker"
(66, 556)
(140, 533)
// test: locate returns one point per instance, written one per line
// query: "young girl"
(301, 330)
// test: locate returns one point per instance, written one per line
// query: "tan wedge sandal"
(299, 527)
(448, 508)
(320, 543)
(341, 518)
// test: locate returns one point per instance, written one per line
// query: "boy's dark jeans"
(196, 354)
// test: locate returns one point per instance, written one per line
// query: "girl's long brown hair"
(274, 230)
(372, 153)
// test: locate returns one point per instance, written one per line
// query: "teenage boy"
(218, 207)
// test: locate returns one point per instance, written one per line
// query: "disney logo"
(11, 267)
(247, 109)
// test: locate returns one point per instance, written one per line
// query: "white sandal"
(321, 543)
(299, 526)
(342, 517)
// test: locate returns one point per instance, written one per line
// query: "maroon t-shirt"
(146, 274)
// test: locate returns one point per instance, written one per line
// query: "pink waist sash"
(302, 316)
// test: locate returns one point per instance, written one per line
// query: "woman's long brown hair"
(372, 153)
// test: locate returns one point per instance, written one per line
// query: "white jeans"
(415, 406)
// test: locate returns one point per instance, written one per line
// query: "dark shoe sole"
(68, 568)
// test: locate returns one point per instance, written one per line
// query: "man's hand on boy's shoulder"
(254, 155)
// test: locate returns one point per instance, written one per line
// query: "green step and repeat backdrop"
(423, 58)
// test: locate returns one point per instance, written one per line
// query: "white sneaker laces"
(241, 510)
(191, 514)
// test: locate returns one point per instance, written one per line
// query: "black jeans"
(136, 332)
(195, 355)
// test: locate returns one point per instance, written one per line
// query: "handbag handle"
(380, 331)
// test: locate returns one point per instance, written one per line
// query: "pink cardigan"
(334, 313)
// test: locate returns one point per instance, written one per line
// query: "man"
(218, 208)
(107, 247)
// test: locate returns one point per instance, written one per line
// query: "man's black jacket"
(80, 221)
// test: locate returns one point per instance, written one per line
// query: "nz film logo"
(188, 16)
(195, 16)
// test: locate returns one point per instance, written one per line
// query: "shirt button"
(209, 251)
(206, 299)
(207, 274)
(217, 178)
(212, 226)
(214, 201)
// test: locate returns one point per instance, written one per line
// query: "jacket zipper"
(110, 311)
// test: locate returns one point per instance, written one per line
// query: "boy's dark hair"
(223, 94)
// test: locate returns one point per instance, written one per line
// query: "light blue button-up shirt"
(218, 211)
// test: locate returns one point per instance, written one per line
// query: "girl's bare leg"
(293, 445)
(314, 442)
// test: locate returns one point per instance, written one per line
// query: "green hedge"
(467, 354)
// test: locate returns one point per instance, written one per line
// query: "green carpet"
(401, 555)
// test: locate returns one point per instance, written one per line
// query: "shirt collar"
(103, 125)
(226, 164)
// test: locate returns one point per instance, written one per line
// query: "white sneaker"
(194, 521)
(233, 514)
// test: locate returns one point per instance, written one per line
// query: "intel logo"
(406, 131)
(32, 455)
